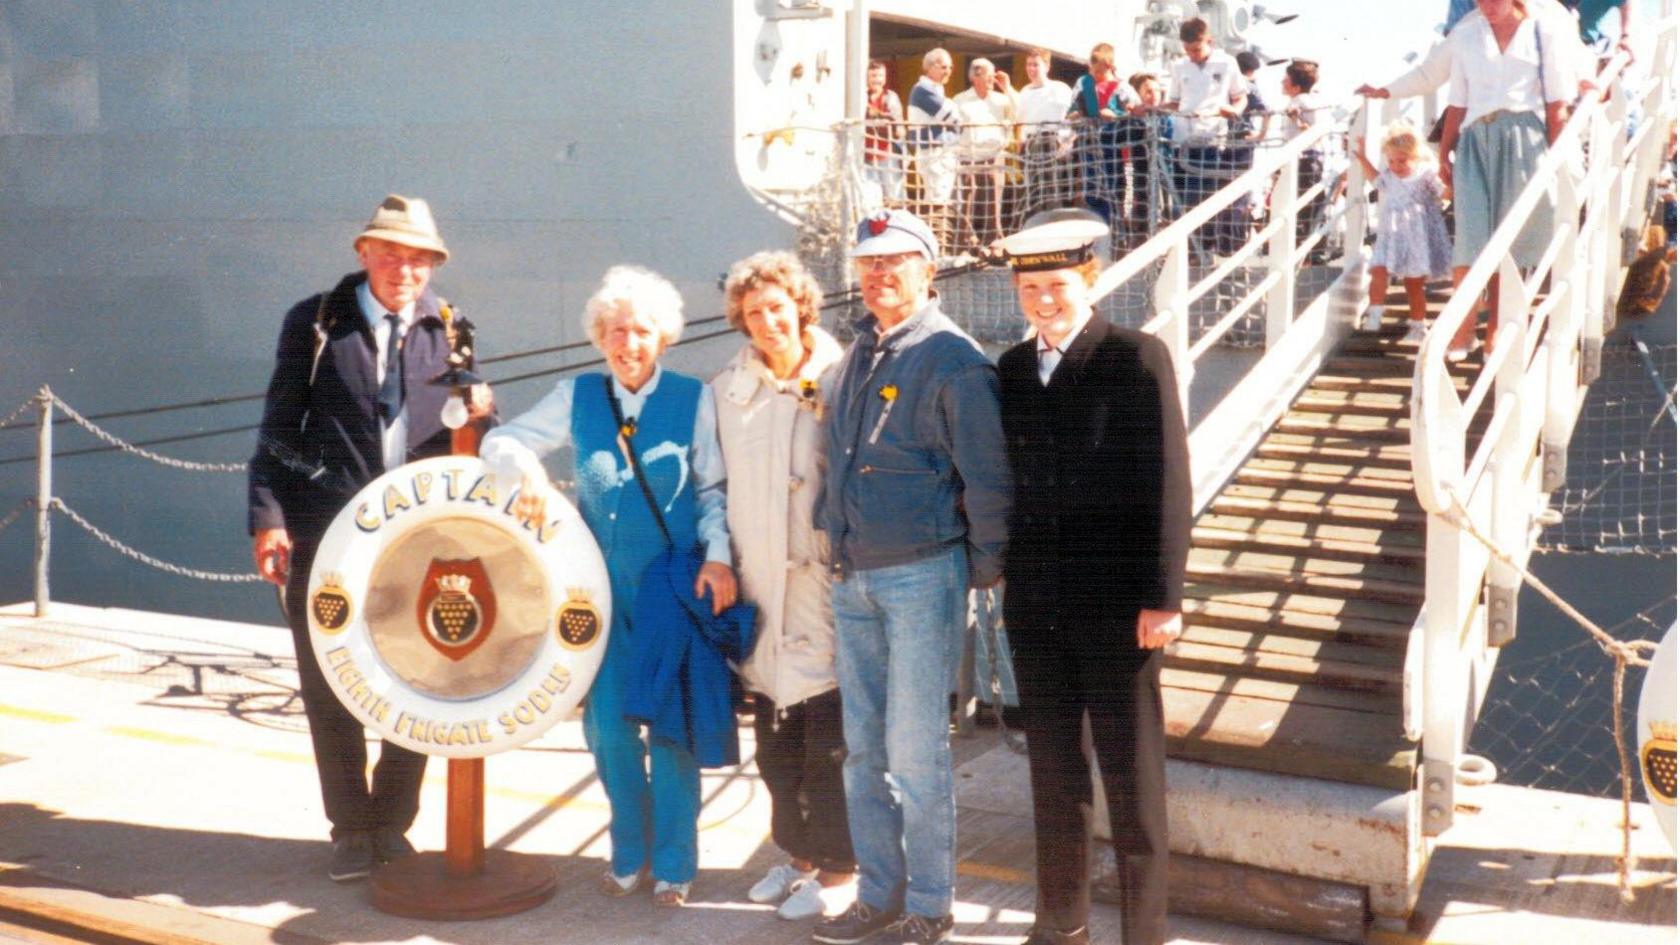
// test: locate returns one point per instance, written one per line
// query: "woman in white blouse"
(1507, 101)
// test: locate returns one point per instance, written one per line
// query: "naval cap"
(890, 232)
(1054, 239)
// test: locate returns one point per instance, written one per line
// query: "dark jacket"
(1101, 526)
(332, 429)
(678, 680)
(933, 472)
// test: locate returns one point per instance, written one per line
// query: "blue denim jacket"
(915, 451)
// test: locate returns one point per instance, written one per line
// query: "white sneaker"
(1415, 333)
(777, 883)
(1373, 317)
(810, 898)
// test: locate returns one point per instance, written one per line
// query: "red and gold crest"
(579, 622)
(457, 607)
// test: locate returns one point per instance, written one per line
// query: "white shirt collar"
(1067, 339)
(632, 401)
(374, 312)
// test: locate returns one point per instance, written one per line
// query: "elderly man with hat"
(915, 503)
(349, 400)
(1098, 541)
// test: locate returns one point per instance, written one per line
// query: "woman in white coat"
(769, 402)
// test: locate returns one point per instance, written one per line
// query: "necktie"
(391, 388)
(1048, 358)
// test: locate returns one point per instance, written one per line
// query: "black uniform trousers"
(1067, 674)
(393, 800)
(800, 753)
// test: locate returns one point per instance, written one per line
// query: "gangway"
(1341, 624)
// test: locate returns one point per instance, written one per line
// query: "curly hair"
(777, 268)
(640, 290)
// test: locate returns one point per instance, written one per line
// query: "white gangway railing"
(1552, 321)
(1294, 345)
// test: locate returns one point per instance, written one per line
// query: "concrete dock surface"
(155, 777)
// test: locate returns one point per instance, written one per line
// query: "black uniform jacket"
(331, 431)
(1101, 523)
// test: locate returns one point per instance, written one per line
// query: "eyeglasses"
(874, 263)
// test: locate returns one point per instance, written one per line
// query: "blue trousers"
(900, 630)
(653, 790)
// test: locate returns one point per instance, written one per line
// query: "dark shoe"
(389, 844)
(913, 929)
(1044, 935)
(352, 857)
(854, 925)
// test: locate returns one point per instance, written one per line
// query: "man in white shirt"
(986, 110)
(1047, 141)
(1207, 87)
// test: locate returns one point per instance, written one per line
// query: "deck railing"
(1487, 459)
(975, 182)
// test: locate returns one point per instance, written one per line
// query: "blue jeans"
(658, 808)
(900, 636)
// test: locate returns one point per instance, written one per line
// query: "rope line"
(140, 556)
(1625, 653)
(137, 450)
(29, 402)
(836, 299)
(17, 510)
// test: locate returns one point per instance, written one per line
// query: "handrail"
(1529, 387)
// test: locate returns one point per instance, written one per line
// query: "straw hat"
(404, 220)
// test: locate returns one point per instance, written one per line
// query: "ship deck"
(156, 786)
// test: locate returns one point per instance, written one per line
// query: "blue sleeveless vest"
(608, 497)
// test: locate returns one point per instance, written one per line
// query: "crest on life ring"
(579, 623)
(1657, 761)
(330, 605)
(456, 607)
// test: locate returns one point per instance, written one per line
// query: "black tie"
(391, 389)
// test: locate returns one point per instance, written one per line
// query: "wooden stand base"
(424, 887)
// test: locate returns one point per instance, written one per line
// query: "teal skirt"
(1493, 163)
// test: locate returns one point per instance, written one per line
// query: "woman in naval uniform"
(1094, 573)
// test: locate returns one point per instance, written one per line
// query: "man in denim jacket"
(915, 501)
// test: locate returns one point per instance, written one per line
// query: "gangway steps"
(1305, 577)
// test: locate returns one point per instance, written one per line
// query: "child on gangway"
(1412, 243)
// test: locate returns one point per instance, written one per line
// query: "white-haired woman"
(632, 318)
(769, 399)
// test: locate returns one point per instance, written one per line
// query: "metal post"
(43, 500)
(1280, 256)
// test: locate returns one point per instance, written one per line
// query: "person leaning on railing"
(1208, 91)
(1041, 106)
(883, 134)
(986, 110)
(1099, 98)
(933, 129)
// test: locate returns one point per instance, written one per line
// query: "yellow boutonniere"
(889, 392)
(807, 388)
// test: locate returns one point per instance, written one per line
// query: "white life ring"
(445, 623)
(1656, 734)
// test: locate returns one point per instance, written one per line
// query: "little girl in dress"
(1412, 242)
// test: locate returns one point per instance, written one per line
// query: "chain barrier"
(1625, 652)
(17, 510)
(29, 402)
(140, 556)
(143, 453)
